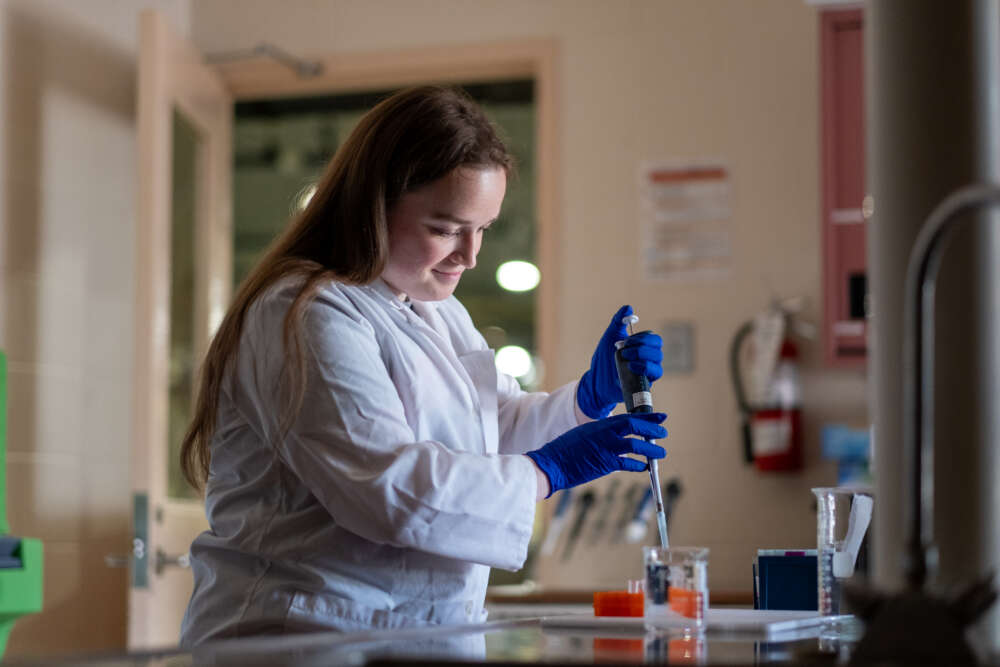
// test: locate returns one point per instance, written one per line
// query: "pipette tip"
(661, 522)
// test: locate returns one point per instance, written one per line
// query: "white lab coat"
(397, 487)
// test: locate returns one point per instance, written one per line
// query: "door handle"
(117, 560)
(125, 560)
(163, 561)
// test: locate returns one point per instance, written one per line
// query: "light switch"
(678, 347)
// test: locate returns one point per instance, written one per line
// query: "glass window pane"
(182, 297)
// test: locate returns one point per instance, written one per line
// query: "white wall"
(735, 80)
(67, 210)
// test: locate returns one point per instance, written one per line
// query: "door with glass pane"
(184, 260)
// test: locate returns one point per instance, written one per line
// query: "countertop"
(522, 634)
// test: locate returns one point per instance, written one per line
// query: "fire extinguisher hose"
(741, 399)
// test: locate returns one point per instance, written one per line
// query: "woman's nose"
(468, 249)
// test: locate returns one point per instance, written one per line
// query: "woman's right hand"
(596, 448)
(599, 390)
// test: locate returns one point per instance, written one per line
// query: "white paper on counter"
(768, 622)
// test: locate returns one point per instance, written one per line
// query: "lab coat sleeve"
(352, 447)
(528, 420)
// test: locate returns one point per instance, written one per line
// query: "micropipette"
(632, 497)
(638, 399)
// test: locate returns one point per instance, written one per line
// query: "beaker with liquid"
(676, 587)
(843, 515)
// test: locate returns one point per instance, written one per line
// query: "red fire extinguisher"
(772, 429)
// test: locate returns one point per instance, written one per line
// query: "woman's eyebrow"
(447, 217)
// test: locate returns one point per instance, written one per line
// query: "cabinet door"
(843, 188)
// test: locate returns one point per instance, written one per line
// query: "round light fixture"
(518, 276)
(514, 360)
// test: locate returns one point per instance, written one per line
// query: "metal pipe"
(918, 345)
(306, 69)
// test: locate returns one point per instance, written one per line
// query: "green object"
(4, 526)
(20, 587)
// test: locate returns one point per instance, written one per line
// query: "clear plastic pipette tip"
(661, 515)
(661, 522)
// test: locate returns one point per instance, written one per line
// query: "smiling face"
(435, 231)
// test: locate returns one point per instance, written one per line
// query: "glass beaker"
(676, 587)
(843, 515)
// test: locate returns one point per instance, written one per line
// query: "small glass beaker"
(843, 515)
(676, 587)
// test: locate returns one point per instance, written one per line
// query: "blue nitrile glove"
(595, 449)
(599, 390)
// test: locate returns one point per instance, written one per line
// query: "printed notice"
(685, 213)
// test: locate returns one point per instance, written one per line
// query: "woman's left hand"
(599, 390)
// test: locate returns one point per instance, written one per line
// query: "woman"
(364, 464)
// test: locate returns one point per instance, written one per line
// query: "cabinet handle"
(847, 216)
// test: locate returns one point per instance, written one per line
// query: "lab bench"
(522, 634)
(508, 641)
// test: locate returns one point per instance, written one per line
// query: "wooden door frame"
(355, 72)
(171, 79)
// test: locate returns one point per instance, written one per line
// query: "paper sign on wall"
(685, 213)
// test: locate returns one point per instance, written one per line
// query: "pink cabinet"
(842, 173)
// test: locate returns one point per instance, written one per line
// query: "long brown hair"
(406, 141)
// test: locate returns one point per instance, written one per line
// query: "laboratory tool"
(842, 518)
(583, 508)
(857, 525)
(607, 504)
(598, 391)
(629, 602)
(636, 529)
(676, 587)
(638, 399)
(558, 522)
(629, 507)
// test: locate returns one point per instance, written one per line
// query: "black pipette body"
(638, 399)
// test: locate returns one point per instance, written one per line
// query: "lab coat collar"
(382, 289)
(423, 313)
